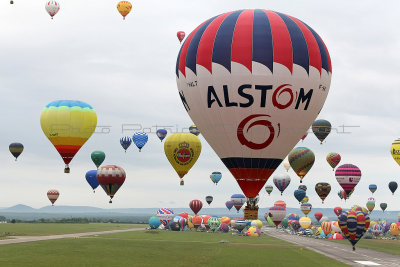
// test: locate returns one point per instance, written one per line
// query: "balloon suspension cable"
(67, 169)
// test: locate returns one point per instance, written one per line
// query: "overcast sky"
(126, 71)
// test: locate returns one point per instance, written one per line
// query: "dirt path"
(23, 239)
(340, 252)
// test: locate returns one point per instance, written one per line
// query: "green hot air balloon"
(321, 129)
(383, 206)
(98, 157)
(269, 189)
(301, 160)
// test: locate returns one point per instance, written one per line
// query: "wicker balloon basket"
(251, 214)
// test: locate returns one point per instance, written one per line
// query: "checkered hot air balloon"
(140, 139)
(111, 178)
(53, 195)
(353, 225)
(245, 78)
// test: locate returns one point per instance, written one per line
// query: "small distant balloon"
(392, 187)
(140, 139)
(124, 7)
(304, 136)
(16, 149)
(269, 189)
(111, 178)
(322, 190)
(301, 160)
(180, 35)
(91, 178)
(194, 130)
(209, 199)
(229, 204)
(216, 177)
(299, 194)
(53, 195)
(98, 157)
(372, 188)
(302, 187)
(161, 134)
(281, 181)
(383, 206)
(321, 129)
(286, 164)
(125, 142)
(333, 159)
(52, 7)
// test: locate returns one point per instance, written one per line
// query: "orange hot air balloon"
(124, 7)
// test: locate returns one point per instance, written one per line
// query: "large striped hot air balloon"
(348, 176)
(111, 178)
(301, 159)
(353, 225)
(326, 227)
(253, 81)
(277, 214)
(68, 124)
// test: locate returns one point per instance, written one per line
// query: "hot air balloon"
(98, 157)
(383, 206)
(124, 7)
(277, 214)
(214, 223)
(161, 134)
(16, 149)
(194, 130)
(140, 139)
(240, 225)
(359, 208)
(321, 129)
(259, 86)
(91, 178)
(165, 215)
(326, 227)
(304, 136)
(111, 178)
(216, 177)
(52, 7)
(281, 181)
(333, 159)
(196, 220)
(182, 151)
(68, 124)
(11, 2)
(180, 35)
(195, 206)
(318, 215)
(305, 222)
(229, 204)
(306, 208)
(125, 142)
(348, 176)
(238, 200)
(299, 194)
(392, 187)
(302, 187)
(372, 188)
(337, 210)
(370, 205)
(353, 225)
(53, 195)
(280, 203)
(301, 159)
(322, 190)
(305, 199)
(395, 150)
(154, 222)
(209, 199)
(394, 229)
(293, 216)
(286, 164)
(269, 189)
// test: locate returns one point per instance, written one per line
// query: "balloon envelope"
(229, 204)
(209, 199)
(124, 7)
(258, 85)
(140, 139)
(353, 225)
(16, 149)
(195, 206)
(98, 157)
(180, 35)
(395, 150)
(161, 134)
(333, 159)
(125, 142)
(281, 181)
(392, 187)
(301, 159)
(165, 215)
(52, 7)
(321, 129)
(216, 177)
(348, 176)
(68, 124)
(322, 190)
(111, 178)
(91, 178)
(372, 188)
(299, 194)
(53, 195)
(268, 189)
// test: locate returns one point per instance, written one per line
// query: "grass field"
(162, 248)
(388, 246)
(39, 229)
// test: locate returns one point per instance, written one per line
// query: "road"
(340, 252)
(23, 239)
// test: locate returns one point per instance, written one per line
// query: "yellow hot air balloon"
(124, 7)
(394, 229)
(395, 150)
(305, 222)
(182, 151)
(68, 124)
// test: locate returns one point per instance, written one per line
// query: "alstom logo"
(395, 151)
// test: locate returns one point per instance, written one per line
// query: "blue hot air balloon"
(215, 177)
(372, 188)
(140, 139)
(125, 141)
(154, 222)
(91, 178)
(161, 133)
(299, 194)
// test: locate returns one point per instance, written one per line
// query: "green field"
(162, 248)
(388, 246)
(38, 229)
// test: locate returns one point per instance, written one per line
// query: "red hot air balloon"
(348, 176)
(318, 215)
(263, 74)
(111, 178)
(196, 206)
(337, 210)
(53, 195)
(180, 35)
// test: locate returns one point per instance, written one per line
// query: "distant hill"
(19, 208)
